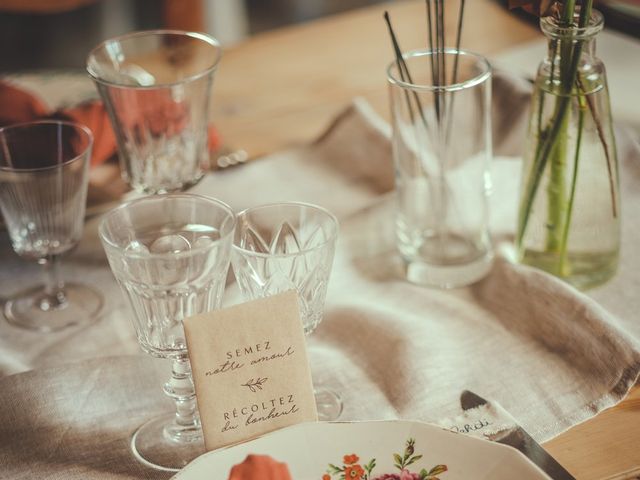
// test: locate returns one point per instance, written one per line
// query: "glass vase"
(569, 213)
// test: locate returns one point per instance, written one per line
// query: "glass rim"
(484, 75)
(333, 219)
(158, 256)
(551, 28)
(197, 35)
(77, 126)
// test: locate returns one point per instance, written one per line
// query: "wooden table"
(283, 87)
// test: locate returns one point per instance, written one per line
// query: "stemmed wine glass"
(43, 190)
(170, 254)
(289, 246)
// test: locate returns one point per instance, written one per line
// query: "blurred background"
(59, 33)
(42, 34)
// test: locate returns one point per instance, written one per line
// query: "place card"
(250, 369)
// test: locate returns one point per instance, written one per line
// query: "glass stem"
(180, 388)
(54, 296)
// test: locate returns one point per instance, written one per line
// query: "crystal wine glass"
(170, 254)
(43, 190)
(289, 246)
(156, 86)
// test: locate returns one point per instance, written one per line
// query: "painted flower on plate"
(354, 472)
(350, 459)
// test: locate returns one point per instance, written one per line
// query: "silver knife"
(520, 440)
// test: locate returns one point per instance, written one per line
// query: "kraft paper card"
(250, 369)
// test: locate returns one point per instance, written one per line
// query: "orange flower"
(326, 476)
(353, 472)
(350, 459)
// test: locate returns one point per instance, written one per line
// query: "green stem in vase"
(568, 9)
(556, 190)
(585, 15)
(564, 268)
(543, 151)
(552, 140)
(605, 146)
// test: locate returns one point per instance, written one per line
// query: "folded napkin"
(19, 106)
(75, 422)
(551, 355)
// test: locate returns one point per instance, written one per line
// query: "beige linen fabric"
(550, 355)
(74, 421)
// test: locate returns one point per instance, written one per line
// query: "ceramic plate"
(339, 450)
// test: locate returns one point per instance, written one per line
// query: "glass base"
(582, 270)
(448, 276)
(164, 445)
(147, 189)
(34, 310)
(328, 403)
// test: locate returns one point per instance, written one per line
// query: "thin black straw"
(455, 65)
(458, 37)
(404, 71)
(442, 47)
(441, 72)
(434, 69)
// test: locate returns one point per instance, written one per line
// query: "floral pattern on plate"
(353, 469)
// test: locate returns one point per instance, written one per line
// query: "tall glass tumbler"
(170, 254)
(156, 86)
(289, 246)
(442, 149)
(43, 190)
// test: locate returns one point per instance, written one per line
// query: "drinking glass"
(170, 255)
(289, 246)
(156, 86)
(441, 149)
(43, 189)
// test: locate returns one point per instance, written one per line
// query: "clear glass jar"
(442, 150)
(569, 215)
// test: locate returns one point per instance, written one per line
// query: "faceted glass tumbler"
(170, 254)
(286, 246)
(156, 86)
(442, 151)
(289, 246)
(43, 189)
